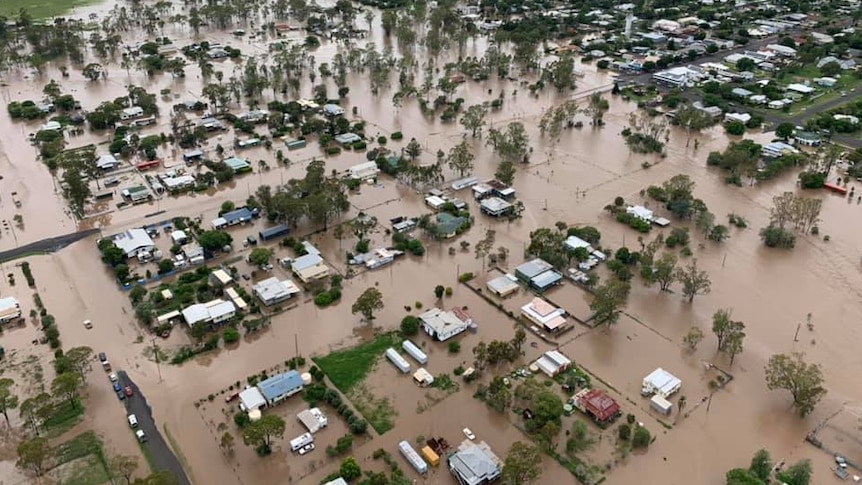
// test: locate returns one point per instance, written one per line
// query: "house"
(782, 50)
(51, 126)
(271, 291)
(495, 206)
(212, 313)
(347, 138)
(501, 190)
(134, 242)
(311, 266)
(179, 237)
(640, 212)
(677, 77)
(777, 149)
(248, 143)
(464, 183)
(713, 111)
(313, 419)
(844, 64)
(740, 117)
(480, 191)
(666, 25)
(741, 93)
(220, 278)
(107, 162)
(807, 138)
(10, 309)
(254, 115)
(853, 120)
(210, 124)
(136, 194)
(574, 242)
(826, 82)
(778, 103)
(401, 225)
(273, 232)
(337, 481)
(552, 363)
(545, 315)
(239, 216)
(133, 112)
(660, 382)
(251, 399)
(193, 155)
(379, 258)
(531, 269)
(332, 110)
(821, 39)
(654, 37)
(598, 404)
(435, 202)
(280, 387)
(474, 464)
(443, 325)
(180, 182)
(800, 88)
(758, 99)
(503, 286)
(238, 165)
(362, 171)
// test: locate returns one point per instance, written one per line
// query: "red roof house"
(599, 405)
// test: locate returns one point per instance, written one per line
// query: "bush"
(381, 140)
(776, 237)
(397, 136)
(641, 437)
(735, 128)
(409, 326)
(323, 300)
(241, 419)
(454, 347)
(231, 335)
(333, 150)
(465, 277)
(415, 247)
(624, 431)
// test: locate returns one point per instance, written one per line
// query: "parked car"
(117, 386)
(133, 421)
(129, 392)
(88, 324)
(469, 434)
(120, 395)
(141, 436)
(113, 377)
(251, 240)
(307, 448)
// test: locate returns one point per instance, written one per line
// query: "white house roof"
(8, 303)
(662, 380)
(800, 88)
(204, 312)
(574, 242)
(178, 235)
(251, 398)
(272, 289)
(641, 212)
(541, 312)
(444, 321)
(133, 240)
(107, 161)
(552, 361)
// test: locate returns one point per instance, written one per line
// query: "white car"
(307, 448)
(133, 421)
(141, 436)
(113, 377)
(469, 434)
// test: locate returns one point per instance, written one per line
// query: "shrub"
(641, 437)
(735, 128)
(382, 140)
(409, 326)
(397, 136)
(454, 347)
(449, 291)
(333, 150)
(465, 277)
(323, 299)
(776, 237)
(241, 419)
(231, 335)
(624, 432)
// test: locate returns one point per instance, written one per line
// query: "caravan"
(301, 441)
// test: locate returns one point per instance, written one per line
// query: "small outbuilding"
(503, 286)
(553, 362)
(397, 360)
(251, 399)
(422, 377)
(273, 232)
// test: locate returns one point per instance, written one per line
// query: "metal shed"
(414, 352)
(396, 359)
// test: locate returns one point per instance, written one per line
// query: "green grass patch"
(64, 418)
(176, 447)
(87, 471)
(377, 411)
(40, 9)
(145, 450)
(346, 368)
(86, 443)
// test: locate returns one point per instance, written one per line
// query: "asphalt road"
(162, 455)
(48, 245)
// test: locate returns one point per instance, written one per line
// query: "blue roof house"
(280, 387)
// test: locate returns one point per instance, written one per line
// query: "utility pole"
(709, 403)
(156, 353)
(796, 336)
(296, 343)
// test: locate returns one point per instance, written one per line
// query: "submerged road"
(48, 245)
(162, 455)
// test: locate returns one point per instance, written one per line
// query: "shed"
(661, 405)
(464, 183)
(347, 138)
(107, 162)
(251, 399)
(273, 232)
(332, 110)
(495, 206)
(503, 286)
(546, 280)
(237, 164)
(661, 382)
(193, 155)
(553, 362)
(434, 202)
(423, 377)
(313, 419)
(179, 237)
(414, 351)
(363, 171)
(531, 269)
(295, 144)
(220, 277)
(396, 359)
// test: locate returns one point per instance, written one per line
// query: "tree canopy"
(804, 381)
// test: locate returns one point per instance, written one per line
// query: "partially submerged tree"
(511, 144)
(460, 158)
(8, 400)
(33, 453)
(608, 301)
(474, 119)
(262, 433)
(367, 303)
(804, 381)
(694, 281)
(523, 464)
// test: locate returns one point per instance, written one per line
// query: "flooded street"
(569, 179)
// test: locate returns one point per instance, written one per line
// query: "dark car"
(251, 240)
(128, 390)
(117, 387)
(120, 395)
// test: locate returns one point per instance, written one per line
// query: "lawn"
(346, 368)
(40, 8)
(81, 461)
(377, 411)
(64, 418)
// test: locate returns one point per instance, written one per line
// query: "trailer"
(413, 458)
(414, 352)
(661, 405)
(300, 441)
(432, 458)
(396, 359)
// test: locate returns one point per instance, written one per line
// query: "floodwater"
(570, 179)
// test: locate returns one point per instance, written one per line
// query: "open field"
(41, 9)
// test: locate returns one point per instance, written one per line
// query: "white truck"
(300, 441)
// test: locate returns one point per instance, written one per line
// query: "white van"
(300, 441)
(133, 421)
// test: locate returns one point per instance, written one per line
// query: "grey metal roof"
(546, 279)
(533, 268)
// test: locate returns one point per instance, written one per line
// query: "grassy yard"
(64, 418)
(40, 8)
(346, 368)
(81, 461)
(377, 411)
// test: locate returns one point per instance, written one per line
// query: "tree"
(123, 466)
(460, 158)
(368, 302)
(499, 397)
(693, 119)
(146, 311)
(67, 386)
(215, 240)
(746, 64)
(608, 301)
(92, 71)
(734, 338)
(736, 128)
(798, 473)
(474, 119)
(33, 453)
(596, 109)
(349, 469)
(76, 190)
(409, 326)
(641, 437)
(741, 476)
(694, 282)
(161, 477)
(227, 441)
(511, 144)
(804, 381)
(260, 256)
(692, 338)
(761, 465)
(413, 149)
(580, 438)
(80, 358)
(784, 130)
(505, 172)
(721, 327)
(261, 433)
(8, 400)
(523, 464)
(439, 290)
(665, 271)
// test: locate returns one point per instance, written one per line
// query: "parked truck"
(413, 457)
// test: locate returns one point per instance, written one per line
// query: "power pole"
(796, 336)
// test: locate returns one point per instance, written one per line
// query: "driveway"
(162, 455)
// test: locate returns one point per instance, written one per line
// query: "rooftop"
(533, 268)
(444, 321)
(475, 463)
(280, 384)
(133, 240)
(272, 289)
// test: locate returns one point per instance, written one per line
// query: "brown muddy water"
(771, 291)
